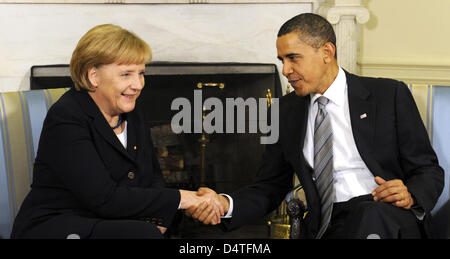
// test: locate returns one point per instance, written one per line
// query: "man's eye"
(142, 73)
(125, 74)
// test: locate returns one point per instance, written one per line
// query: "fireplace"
(222, 161)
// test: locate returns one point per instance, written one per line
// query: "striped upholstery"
(22, 114)
(434, 107)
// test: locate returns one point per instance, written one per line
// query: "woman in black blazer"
(96, 174)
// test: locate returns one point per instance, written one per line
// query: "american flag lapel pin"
(363, 116)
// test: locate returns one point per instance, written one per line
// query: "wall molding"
(409, 72)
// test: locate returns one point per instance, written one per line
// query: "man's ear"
(328, 50)
(93, 76)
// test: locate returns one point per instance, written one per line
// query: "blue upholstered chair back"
(22, 114)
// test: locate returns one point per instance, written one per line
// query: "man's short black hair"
(313, 29)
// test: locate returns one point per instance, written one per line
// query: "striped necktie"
(323, 162)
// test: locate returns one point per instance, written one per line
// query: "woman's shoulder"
(68, 105)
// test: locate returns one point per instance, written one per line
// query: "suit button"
(130, 175)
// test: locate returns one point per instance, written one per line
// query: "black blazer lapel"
(100, 123)
(132, 137)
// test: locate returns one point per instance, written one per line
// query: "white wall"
(42, 34)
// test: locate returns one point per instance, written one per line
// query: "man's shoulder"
(367, 80)
(375, 84)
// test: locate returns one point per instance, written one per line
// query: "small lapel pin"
(363, 116)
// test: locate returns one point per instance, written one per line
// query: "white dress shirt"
(352, 178)
(123, 136)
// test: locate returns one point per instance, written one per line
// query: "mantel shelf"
(173, 68)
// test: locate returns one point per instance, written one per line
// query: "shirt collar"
(336, 92)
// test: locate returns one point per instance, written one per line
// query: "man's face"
(303, 65)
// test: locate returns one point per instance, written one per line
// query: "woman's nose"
(138, 82)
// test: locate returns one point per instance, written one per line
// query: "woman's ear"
(93, 76)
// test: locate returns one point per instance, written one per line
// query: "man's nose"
(287, 69)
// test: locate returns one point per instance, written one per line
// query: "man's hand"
(393, 191)
(203, 212)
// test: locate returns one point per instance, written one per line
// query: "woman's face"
(116, 87)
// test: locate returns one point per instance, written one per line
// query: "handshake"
(204, 205)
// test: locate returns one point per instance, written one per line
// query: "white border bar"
(158, 1)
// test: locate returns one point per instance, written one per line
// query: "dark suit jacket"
(82, 174)
(392, 141)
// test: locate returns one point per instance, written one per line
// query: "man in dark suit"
(357, 145)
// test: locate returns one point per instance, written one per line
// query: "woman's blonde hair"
(102, 45)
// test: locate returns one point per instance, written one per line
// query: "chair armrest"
(296, 210)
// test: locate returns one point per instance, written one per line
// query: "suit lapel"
(362, 118)
(362, 111)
